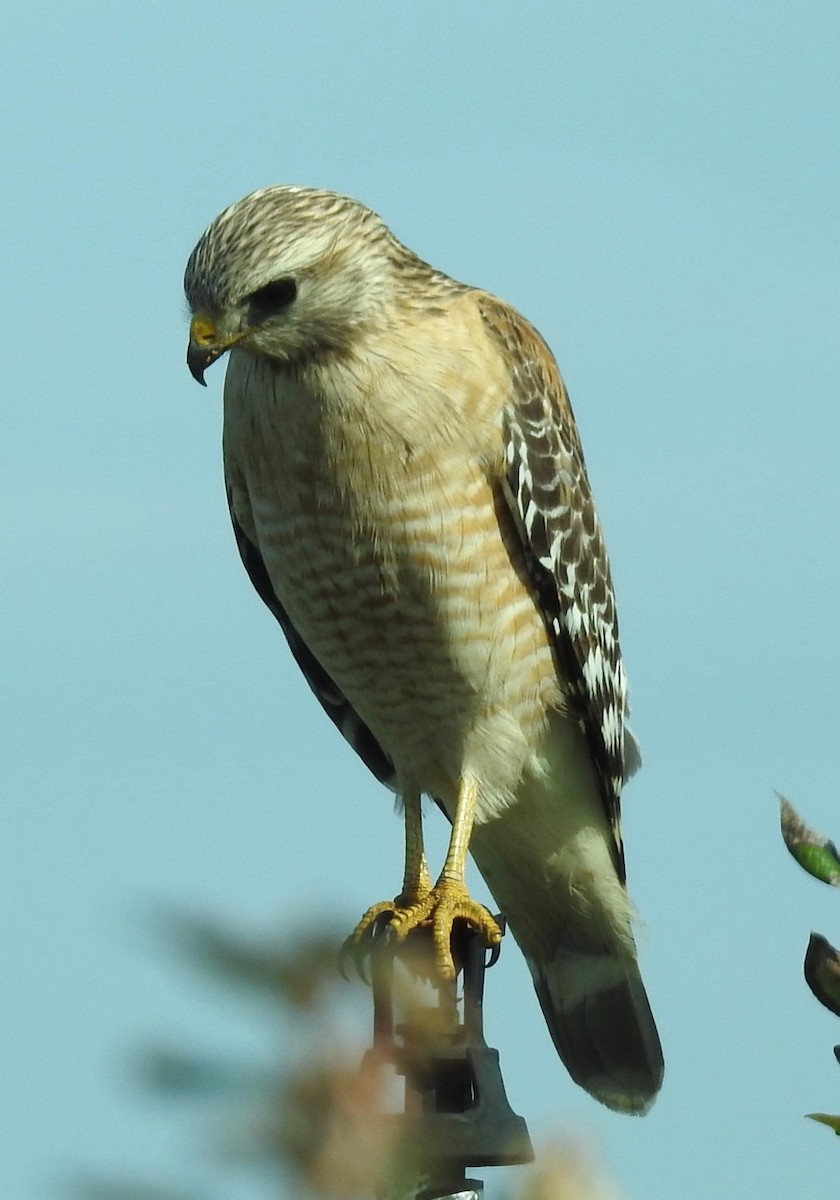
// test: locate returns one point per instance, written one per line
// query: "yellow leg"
(442, 905)
(417, 883)
(416, 879)
(455, 866)
(449, 900)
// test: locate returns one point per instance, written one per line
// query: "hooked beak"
(205, 346)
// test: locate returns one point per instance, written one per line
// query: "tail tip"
(602, 1026)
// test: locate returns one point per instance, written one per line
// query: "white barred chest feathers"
(388, 559)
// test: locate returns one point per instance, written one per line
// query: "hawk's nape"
(410, 500)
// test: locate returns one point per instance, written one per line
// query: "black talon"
(493, 956)
(346, 954)
(360, 950)
(496, 950)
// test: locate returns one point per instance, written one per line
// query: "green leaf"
(822, 972)
(826, 1119)
(815, 853)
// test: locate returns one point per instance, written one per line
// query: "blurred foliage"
(300, 972)
(115, 1189)
(565, 1171)
(817, 855)
(315, 1116)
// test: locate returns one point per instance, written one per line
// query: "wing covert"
(548, 492)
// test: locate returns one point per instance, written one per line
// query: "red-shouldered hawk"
(410, 500)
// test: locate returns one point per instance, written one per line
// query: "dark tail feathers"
(600, 1020)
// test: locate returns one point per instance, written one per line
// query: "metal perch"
(456, 1112)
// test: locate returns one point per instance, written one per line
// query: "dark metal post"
(456, 1114)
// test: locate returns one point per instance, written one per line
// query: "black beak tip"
(199, 359)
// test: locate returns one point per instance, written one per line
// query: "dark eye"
(268, 300)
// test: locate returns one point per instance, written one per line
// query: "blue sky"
(657, 187)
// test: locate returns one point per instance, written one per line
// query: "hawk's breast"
(384, 546)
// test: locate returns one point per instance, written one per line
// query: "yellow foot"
(394, 909)
(447, 902)
(438, 907)
(376, 920)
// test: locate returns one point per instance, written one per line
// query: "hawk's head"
(286, 273)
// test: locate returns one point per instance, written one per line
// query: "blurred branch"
(115, 1189)
(298, 973)
(564, 1171)
(323, 1126)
